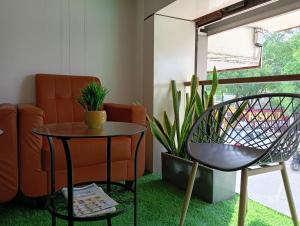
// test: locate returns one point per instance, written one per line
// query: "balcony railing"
(249, 80)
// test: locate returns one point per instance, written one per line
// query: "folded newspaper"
(91, 200)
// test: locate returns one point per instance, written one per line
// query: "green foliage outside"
(281, 56)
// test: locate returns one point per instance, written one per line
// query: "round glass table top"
(79, 129)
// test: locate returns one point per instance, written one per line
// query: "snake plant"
(173, 134)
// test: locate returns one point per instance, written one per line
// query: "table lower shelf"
(121, 193)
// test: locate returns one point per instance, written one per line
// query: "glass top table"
(67, 131)
(80, 130)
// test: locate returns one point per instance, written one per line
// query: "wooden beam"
(209, 18)
(228, 11)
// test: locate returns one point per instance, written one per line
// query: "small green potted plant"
(91, 99)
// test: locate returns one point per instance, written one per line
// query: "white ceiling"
(280, 22)
(192, 9)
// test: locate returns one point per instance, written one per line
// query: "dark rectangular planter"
(210, 185)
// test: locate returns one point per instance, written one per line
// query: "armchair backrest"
(57, 96)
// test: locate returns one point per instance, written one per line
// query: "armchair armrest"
(8, 152)
(125, 113)
(135, 114)
(30, 144)
(30, 117)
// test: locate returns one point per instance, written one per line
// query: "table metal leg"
(108, 170)
(52, 154)
(70, 181)
(135, 177)
(108, 164)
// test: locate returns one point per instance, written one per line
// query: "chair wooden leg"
(243, 198)
(188, 193)
(289, 194)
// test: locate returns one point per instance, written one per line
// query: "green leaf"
(164, 133)
(238, 112)
(199, 106)
(205, 100)
(92, 96)
(235, 116)
(179, 99)
(194, 90)
(173, 131)
(219, 120)
(186, 126)
(159, 135)
(187, 100)
(176, 104)
(167, 123)
(213, 88)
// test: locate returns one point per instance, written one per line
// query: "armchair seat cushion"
(87, 152)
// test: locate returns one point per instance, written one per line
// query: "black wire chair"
(260, 131)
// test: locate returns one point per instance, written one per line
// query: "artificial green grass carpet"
(159, 205)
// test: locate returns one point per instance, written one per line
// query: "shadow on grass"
(22, 211)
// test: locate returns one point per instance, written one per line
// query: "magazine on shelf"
(91, 200)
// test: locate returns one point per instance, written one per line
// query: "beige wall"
(94, 37)
(152, 6)
(148, 83)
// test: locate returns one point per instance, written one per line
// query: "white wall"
(91, 37)
(174, 48)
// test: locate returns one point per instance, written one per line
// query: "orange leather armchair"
(56, 101)
(8, 153)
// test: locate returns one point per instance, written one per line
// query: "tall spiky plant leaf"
(176, 105)
(167, 123)
(194, 90)
(220, 115)
(157, 133)
(238, 112)
(186, 126)
(213, 88)
(205, 100)
(179, 99)
(164, 133)
(173, 131)
(187, 103)
(199, 108)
